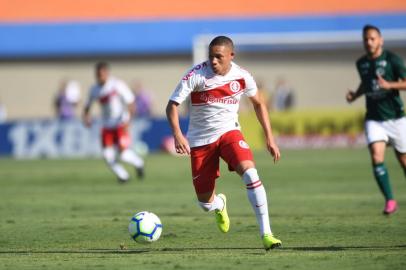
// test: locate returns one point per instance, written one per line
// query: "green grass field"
(324, 205)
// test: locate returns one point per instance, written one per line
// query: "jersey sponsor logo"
(207, 99)
(243, 144)
(222, 94)
(194, 69)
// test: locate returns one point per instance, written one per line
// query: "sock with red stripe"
(257, 197)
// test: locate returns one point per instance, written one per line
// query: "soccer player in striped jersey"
(215, 88)
(382, 74)
(117, 103)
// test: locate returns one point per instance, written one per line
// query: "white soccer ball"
(145, 227)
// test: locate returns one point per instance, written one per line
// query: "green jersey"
(381, 104)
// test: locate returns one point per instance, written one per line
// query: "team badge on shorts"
(235, 86)
(243, 144)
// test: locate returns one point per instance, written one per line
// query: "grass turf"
(324, 205)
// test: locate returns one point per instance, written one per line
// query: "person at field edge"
(382, 74)
(215, 88)
(117, 103)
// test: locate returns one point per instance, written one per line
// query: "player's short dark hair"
(370, 27)
(222, 41)
(102, 65)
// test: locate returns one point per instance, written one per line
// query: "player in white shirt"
(117, 103)
(215, 88)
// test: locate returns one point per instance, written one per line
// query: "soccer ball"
(145, 227)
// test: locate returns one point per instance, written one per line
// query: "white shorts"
(389, 131)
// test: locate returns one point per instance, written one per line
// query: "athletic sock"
(132, 158)
(109, 155)
(382, 178)
(217, 203)
(257, 197)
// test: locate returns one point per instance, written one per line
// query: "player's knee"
(244, 166)
(377, 159)
(109, 155)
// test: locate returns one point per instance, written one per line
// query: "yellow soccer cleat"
(223, 222)
(270, 242)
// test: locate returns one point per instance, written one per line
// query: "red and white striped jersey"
(114, 97)
(214, 101)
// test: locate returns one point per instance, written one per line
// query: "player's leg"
(402, 160)
(205, 170)
(377, 136)
(399, 141)
(110, 156)
(123, 140)
(235, 151)
(258, 199)
(377, 152)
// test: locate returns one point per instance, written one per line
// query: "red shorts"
(231, 147)
(116, 137)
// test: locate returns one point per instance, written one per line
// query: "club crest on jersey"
(235, 86)
(243, 144)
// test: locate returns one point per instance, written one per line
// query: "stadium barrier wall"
(70, 139)
(317, 128)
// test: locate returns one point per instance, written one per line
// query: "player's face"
(220, 58)
(373, 42)
(102, 75)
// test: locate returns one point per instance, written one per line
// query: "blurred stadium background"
(311, 44)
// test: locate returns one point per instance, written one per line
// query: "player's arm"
(128, 97)
(172, 113)
(263, 118)
(86, 117)
(399, 70)
(353, 95)
(386, 85)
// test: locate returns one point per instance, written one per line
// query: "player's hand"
(181, 145)
(350, 96)
(274, 150)
(87, 120)
(383, 84)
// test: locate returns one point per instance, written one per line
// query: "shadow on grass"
(159, 250)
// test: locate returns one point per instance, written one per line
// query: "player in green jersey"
(382, 74)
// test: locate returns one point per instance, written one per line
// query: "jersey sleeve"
(250, 86)
(184, 87)
(399, 67)
(125, 92)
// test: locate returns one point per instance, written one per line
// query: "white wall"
(320, 79)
